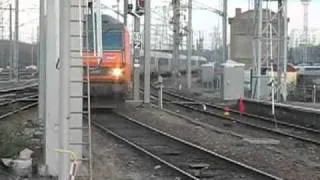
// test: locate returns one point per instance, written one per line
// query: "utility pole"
(118, 9)
(147, 49)
(285, 49)
(189, 43)
(16, 44)
(64, 48)
(2, 26)
(280, 48)
(258, 46)
(305, 4)
(176, 36)
(41, 68)
(137, 38)
(136, 65)
(32, 46)
(125, 12)
(11, 44)
(224, 43)
(225, 24)
(163, 28)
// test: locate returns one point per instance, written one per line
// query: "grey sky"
(202, 20)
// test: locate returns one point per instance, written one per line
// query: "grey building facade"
(242, 33)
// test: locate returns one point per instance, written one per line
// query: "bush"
(12, 139)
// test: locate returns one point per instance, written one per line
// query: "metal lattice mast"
(189, 43)
(224, 34)
(305, 4)
(273, 36)
(137, 61)
(10, 39)
(257, 47)
(147, 50)
(176, 36)
(16, 43)
(285, 50)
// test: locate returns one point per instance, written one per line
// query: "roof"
(169, 56)
(232, 63)
(210, 64)
(251, 14)
(107, 19)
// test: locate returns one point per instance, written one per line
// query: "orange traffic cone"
(226, 111)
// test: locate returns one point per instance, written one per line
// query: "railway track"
(254, 121)
(190, 160)
(248, 115)
(23, 101)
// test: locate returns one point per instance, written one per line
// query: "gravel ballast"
(277, 161)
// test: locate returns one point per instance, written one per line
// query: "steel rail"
(27, 102)
(254, 125)
(141, 149)
(214, 157)
(263, 118)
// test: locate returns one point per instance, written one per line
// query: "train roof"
(106, 19)
(108, 23)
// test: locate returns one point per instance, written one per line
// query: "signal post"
(137, 43)
(136, 66)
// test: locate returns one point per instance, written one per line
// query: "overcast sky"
(202, 20)
(295, 11)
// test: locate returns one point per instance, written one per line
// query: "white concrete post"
(52, 87)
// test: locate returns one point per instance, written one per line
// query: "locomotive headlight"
(116, 72)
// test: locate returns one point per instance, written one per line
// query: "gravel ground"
(115, 160)
(112, 160)
(307, 152)
(195, 90)
(27, 116)
(265, 157)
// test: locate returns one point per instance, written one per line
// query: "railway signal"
(140, 10)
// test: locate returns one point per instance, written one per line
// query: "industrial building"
(27, 54)
(242, 30)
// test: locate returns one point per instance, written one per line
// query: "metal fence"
(305, 93)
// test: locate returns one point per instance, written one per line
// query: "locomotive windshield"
(112, 35)
(112, 40)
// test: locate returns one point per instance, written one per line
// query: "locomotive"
(112, 78)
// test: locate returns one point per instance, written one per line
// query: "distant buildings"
(27, 54)
(296, 37)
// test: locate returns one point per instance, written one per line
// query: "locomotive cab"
(110, 77)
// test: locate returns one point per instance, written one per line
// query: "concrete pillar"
(52, 88)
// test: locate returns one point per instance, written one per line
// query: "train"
(112, 78)
(160, 63)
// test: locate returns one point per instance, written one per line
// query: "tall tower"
(305, 4)
(270, 30)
